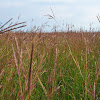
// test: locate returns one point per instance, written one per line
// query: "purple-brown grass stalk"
(30, 72)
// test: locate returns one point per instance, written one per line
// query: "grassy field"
(50, 66)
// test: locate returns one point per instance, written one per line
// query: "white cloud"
(11, 4)
(52, 1)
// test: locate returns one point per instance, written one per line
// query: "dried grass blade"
(18, 71)
(21, 64)
(55, 89)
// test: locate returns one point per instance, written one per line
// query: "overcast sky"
(77, 12)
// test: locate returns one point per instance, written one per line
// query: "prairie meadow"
(50, 66)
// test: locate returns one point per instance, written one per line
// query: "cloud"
(12, 4)
(52, 1)
(71, 11)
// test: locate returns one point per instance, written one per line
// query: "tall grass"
(50, 66)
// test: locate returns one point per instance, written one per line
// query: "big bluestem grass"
(4, 28)
(61, 66)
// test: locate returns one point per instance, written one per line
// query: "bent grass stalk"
(76, 62)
